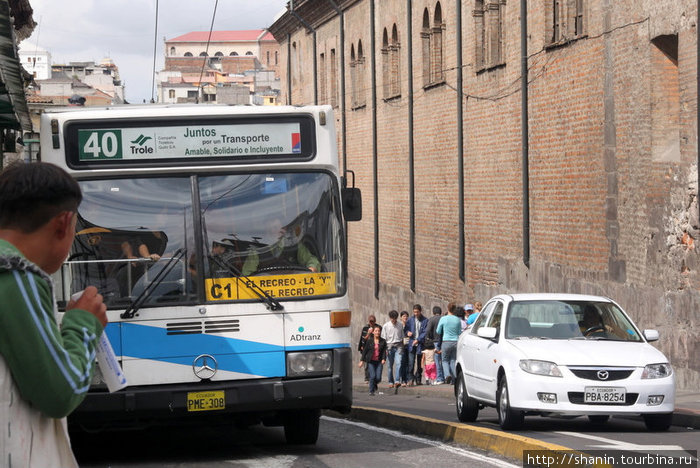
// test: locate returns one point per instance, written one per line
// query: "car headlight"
(657, 371)
(534, 366)
(309, 363)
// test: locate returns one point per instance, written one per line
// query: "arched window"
(353, 77)
(425, 47)
(386, 75)
(565, 20)
(489, 17)
(395, 62)
(436, 56)
(234, 54)
(219, 54)
(360, 75)
(203, 54)
(276, 57)
(268, 57)
(249, 53)
(188, 54)
(172, 51)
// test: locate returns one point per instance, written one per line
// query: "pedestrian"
(460, 312)
(45, 370)
(374, 355)
(472, 312)
(431, 338)
(449, 327)
(428, 364)
(392, 332)
(403, 369)
(366, 332)
(415, 331)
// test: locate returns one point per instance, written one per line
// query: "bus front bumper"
(248, 400)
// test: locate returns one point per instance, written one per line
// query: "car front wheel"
(658, 422)
(508, 418)
(467, 407)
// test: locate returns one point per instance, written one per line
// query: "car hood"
(589, 352)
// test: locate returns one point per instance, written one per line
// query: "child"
(428, 364)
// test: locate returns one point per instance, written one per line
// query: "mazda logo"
(204, 366)
(603, 375)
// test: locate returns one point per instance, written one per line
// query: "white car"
(561, 355)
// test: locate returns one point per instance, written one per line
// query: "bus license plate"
(206, 401)
(612, 395)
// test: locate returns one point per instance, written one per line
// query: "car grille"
(577, 399)
(592, 374)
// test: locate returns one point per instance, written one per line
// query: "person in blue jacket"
(415, 331)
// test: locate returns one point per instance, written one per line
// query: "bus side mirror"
(352, 203)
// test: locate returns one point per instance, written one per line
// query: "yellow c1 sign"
(278, 286)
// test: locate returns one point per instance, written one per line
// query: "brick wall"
(611, 211)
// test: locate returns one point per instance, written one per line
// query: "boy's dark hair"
(31, 194)
(419, 307)
(437, 310)
(403, 312)
(393, 314)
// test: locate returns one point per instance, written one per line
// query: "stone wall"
(612, 154)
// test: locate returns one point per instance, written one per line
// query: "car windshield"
(564, 320)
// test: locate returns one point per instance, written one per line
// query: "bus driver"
(287, 251)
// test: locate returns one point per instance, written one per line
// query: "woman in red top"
(374, 354)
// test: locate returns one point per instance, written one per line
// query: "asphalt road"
(341, 444)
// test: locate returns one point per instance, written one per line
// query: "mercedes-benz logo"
(205, 366)
(603, 375)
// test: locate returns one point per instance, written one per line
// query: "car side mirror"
(487, 332)
(651, 335)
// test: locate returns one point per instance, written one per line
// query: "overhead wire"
(206, 50)
(155, 46)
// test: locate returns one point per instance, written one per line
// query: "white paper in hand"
(112, 373)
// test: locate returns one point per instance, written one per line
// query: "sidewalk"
(687, 413)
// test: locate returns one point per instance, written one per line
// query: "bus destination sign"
(244, 141)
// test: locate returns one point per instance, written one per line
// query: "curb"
(682, 417)
(503, 443)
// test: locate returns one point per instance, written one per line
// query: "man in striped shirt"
(45, 370)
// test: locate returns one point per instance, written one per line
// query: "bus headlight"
(309, 363)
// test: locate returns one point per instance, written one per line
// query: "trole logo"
(137, 145)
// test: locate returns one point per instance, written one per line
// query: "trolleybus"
(217, 236)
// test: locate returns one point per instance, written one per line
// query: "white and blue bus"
(217, 236)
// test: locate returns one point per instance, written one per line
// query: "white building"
(35, 60)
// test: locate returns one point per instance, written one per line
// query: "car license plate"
(612, 395)
(206, 401)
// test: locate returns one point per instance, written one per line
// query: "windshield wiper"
(151, 287)
(271, 302)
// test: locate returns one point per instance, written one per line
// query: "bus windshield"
(279, 232)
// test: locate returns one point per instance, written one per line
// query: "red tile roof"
(225, 36)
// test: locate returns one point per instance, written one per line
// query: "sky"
(125, 31)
